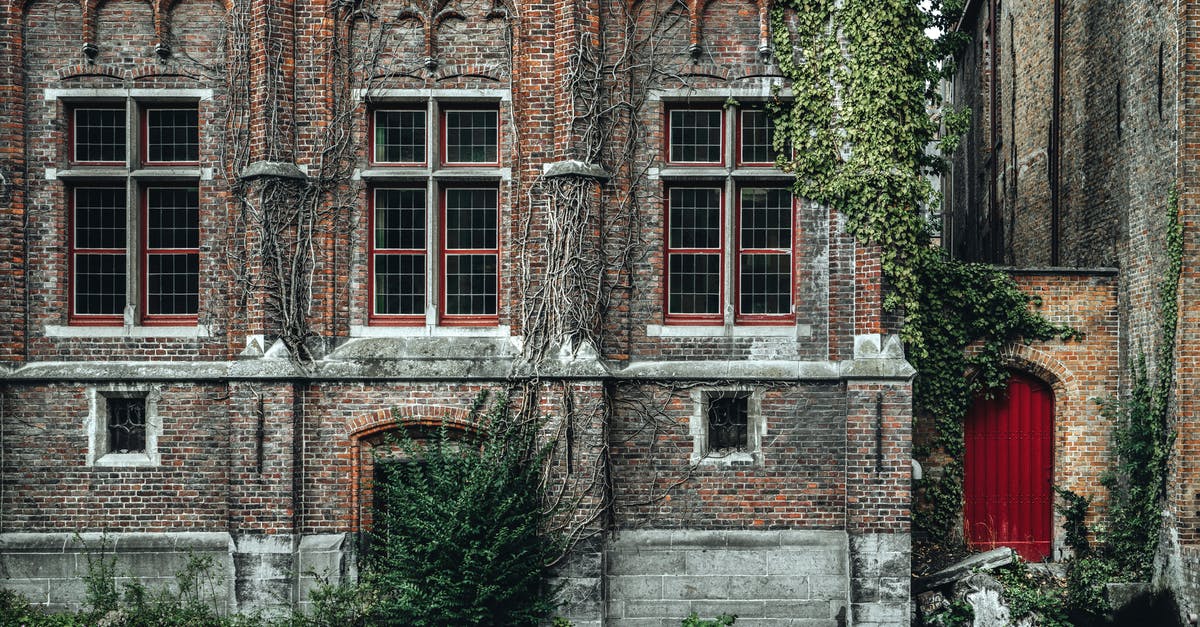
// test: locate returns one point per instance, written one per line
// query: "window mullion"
(730, 244)
(134, 251)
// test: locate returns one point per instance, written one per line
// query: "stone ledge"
(276, 169)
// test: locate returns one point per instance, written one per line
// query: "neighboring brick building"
(1085, 116)
(240, 243)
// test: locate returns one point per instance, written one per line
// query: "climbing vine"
(1142, 438)
(863, 75)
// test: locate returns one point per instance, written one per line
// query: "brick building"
(1084, 114)
(241, 242)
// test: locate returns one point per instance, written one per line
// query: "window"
(434, 250)
(134, 234)
(726, 267)
(126, 425)
(727, 416)
(399, 136)
(471, 136)
(727, 427)
(123, 426)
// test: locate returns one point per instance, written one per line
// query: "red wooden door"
(1009, 469)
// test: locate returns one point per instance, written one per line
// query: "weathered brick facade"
(261, 455)
(1077, 144)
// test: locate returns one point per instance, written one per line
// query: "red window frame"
(398, 320)
(73, 317)
(442, 121)
(445, 318)
(72, 132)
(667, 111)
(144, 127)
(741, 137)
(668, 250)
(738, 251)
(144, 253)
(372, 121)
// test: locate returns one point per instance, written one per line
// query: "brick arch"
(382, 420)
(1042, 365)
(361, 429)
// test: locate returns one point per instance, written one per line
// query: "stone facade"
(1083, 117)
(264, 404)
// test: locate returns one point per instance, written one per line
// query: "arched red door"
(1009, 469)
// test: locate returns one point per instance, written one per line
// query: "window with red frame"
(171, 135)
(695, 136)
(756, 243)
(756, 132)
(470, 136)
(694, 246)
(400, 136)
(123, 226)
(98, 253)
(398, 255)
(172, 253)
(764, 254)
(470, 254)
(97, 135)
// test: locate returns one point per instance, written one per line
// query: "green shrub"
(721, 621)
(460, 539)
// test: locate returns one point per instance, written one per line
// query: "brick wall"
(276, 457)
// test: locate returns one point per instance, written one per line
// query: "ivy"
(1142, 438)
(863, 74)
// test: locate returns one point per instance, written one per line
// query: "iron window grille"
(728, 423)
(126, 425)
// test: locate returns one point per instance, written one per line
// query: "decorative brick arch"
(362, 429)
(1042, 365)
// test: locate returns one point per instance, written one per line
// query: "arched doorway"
(1009, 469)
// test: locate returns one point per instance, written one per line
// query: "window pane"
(400, 136)
(172, 135)
(758, 130)
(173, 284)
(99, 135)
(126, 425)
(727, 423)
(695, 282)
(400, 219)
(99, 284)
(172, 217)
(471, 285)
(472, 136)
(695, 218)
(766, 220)
(766, 284)
(471, 217)
(99, 218)
(695, 135)
(400, 284)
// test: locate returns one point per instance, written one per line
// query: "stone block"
(805, 538)
(742, 609)
(728, 562)
(656, 609)
(698, 587)
(806, 563)
(34, 542)
(636, 587)
(751, 539)
(798, 609)
(36, 565)
(883, 613)
(646, 562)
